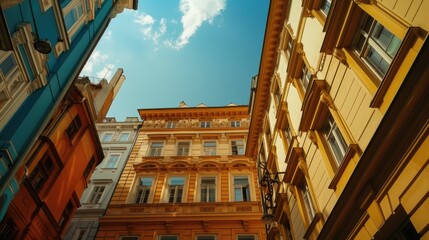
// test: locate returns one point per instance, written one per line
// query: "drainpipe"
(20, 160)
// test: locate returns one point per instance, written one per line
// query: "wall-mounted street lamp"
(268, 181)
(42, 46)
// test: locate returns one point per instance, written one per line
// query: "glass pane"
(146, 181)
(177, 180)
(70, 18)
(241, 181)
(238, 195)
(8, 65)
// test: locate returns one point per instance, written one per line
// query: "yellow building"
(187, 178)
(339, 120)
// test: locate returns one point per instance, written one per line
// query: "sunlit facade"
(339, 115)
(187, 178)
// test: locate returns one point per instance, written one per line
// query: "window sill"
(351, 152)
(318, 217)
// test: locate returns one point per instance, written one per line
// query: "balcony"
(222, 209)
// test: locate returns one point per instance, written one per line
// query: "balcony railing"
(218, 208)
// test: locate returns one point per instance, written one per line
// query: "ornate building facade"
(117, 140)
(339, 120)
(187, 178)
(43, 47)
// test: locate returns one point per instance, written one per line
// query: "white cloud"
(195, 13)
(147, 24)
(96, 58)
(106, 72)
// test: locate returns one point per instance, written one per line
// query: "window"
(235, 123)
(335, 139)
(171, 124)
(241, 189)
(156, 149)
(73, 127)
(79, 234)
(183, 149)
(168, 238)
(175, 189)
(208, 189)
(143, 189)
(124, 136)
(112, 160)
(206, 237)
(11, 80)
(107, 137)
(288, 51)
(205, 124)
(89, 167)
(8, 229)
(308, 203)
(237, 147)
(288, 134)
(66, 215)
(40, 174)
(96, 194)
(210, 148)
(305, 76)
(74, 16)
(276, 94)
(325, 6)
(246, 237)
(376, 45)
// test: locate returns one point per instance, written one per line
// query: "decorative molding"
(327, 99)
(9, 3)
(118, 8)
(45, 5)
(340, 55)
(313, 138)
(369, 2)
(290, 29)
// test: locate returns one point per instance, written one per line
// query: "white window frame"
(77, 235)
(205, 124)
(325, 6)
(331, 132)
(83, 19)
(235, 186)
(182, 150)
(205, 187)
(139, 186)
(128, 134)
(96, 193)
(171, 124)
(240, 148)
(209, 150)
(307, 200)
(371, 44)
(108, 160)
(105, 135)
(155, 151)
(305, 77)
(235, 123)
(169, 187)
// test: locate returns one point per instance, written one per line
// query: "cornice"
(275, 22)
(194, 112)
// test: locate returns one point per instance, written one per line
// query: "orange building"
(57, 169)
(187, 178)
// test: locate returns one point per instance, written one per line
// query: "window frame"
(139, 186)
(109, 158)
(177, 188)
(235, 186)
(161, 237)
(107, 136)
(237, 146)
(182, 150)
(96, 195)
(73, 128)
(246, 237)
(41, 169)
(207, 189)
(80, 21)
(209, 150)
(205, 124)
(197, 237)
(121, 139)
(156, 151)
(235, 123)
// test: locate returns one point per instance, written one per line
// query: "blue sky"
(197, 51)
